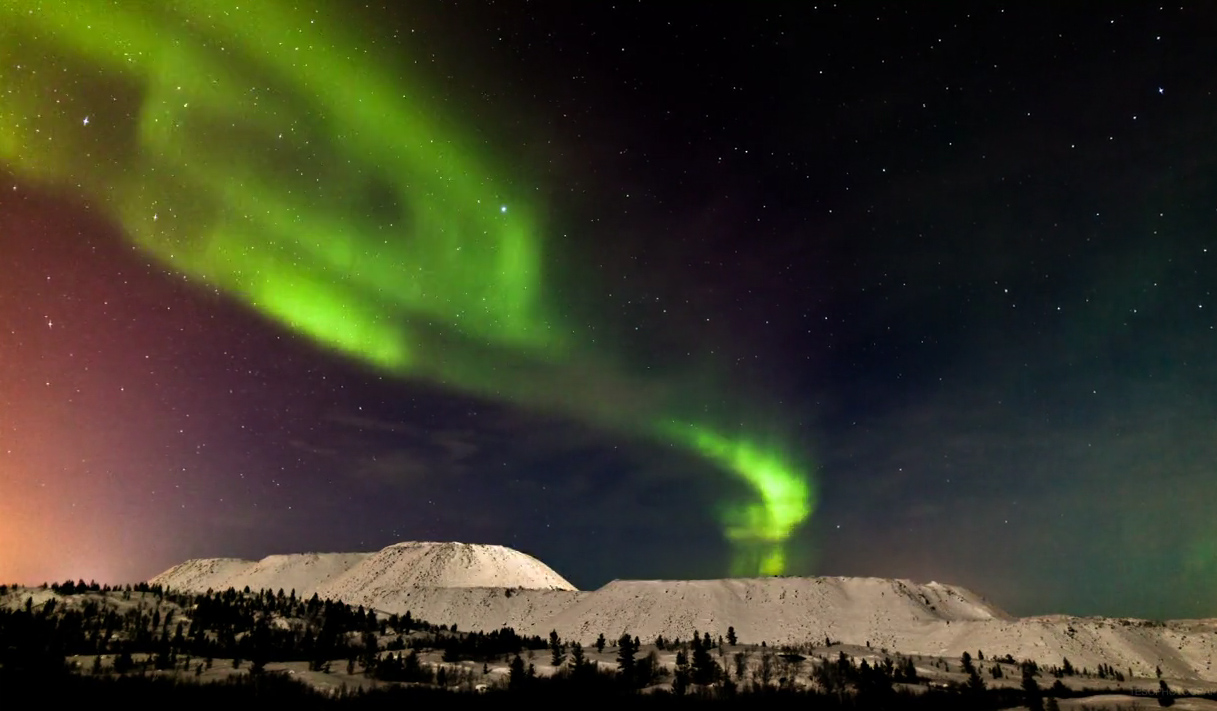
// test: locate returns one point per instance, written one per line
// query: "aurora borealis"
(192, 174)
(912, 293)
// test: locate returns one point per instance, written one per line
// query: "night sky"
(908, 290)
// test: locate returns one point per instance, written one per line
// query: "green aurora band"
(264, 152)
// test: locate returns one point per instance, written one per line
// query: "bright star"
(502, 208)
(86, 121)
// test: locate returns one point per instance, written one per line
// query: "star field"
(845, 290)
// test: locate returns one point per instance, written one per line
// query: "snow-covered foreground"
(479, 587)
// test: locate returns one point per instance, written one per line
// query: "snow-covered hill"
(775, 610)
(344, 576)
(443, 565)
(302, 572)
(484, 587)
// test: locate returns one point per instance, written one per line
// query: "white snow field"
(485, 587)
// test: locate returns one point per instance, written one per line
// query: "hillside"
(117, 642)
(307, 571)
(776, 610)
(444, 565)
(376, 577)
(483, 587)
(1181, 649)
(199, 574)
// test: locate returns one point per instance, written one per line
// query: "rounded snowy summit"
(371, 576)
(447, 565)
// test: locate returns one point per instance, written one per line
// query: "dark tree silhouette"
(626, 650)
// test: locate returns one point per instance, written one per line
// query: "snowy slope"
(1183, 650)
(471, 609)
(199, 574)
(444, 565)
(776, 610)
(370, 576)
(482, 587)
(305, 573)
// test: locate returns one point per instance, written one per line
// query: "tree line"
(173, 631)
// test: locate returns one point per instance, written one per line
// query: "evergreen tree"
(680, 683)
(412, 669)
(625, 658)
(705, 669)
(371, 650)
(741, 664)
(600, 642)
(1031, 690)
(577, 659)
(975, 684)
(731, 638)
(516, 677)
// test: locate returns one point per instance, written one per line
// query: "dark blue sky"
(961, 257)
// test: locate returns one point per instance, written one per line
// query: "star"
(86, 121)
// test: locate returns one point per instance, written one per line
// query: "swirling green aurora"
(263, 151)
